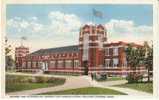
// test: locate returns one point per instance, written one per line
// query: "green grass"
(86, 91)
(111, 79)
(26, 86)
(65, 74)
(146, 87)
(18, 83)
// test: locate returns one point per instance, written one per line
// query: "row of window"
(111, 63)
(55, 55)
(114, 62)
(115, 51)
(59, 64)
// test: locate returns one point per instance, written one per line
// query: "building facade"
(93, 54)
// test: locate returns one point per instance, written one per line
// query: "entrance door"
(44, 66)
(85, 64)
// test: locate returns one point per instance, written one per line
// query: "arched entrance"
(44, 66)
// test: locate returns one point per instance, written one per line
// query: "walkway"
(73, 82)
(109, 85)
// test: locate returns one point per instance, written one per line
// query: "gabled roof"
(69, 49)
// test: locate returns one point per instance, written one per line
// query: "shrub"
(134, 77)
(59, 81)
(40, 79)
(56, 80)
(16, 79)
(101, 77)
(104, 76)
(32, 80)
(51, 80)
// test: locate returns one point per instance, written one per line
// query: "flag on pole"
(97, 13)
(24, 38)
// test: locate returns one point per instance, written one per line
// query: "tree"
(132, 56)
(9, 62)
(148, 60)
(140, 56)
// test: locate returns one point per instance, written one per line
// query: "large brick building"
(93, 54)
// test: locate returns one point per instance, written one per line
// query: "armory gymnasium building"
(93, 54)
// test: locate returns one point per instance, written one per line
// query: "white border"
(79, 1)
(155, 29)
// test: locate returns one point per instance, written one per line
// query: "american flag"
(97, 13)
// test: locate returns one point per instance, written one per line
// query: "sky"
(50, 25)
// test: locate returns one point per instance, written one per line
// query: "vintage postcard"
(79, 49)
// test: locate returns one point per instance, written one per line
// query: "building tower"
(91, 41)
(20, 53)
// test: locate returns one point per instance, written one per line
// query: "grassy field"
(26, 86)
(65, 74)
(86, 91)
(111, 79)
(19, 83)
(146, 87)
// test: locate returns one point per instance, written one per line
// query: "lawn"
(146, 87)
(86, 91)
(65, 74)
(19, 83)
(111, 79)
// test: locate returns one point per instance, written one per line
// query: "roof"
(68, 49)
(122, 43)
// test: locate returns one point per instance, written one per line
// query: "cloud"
(63, 29)
(63, 24)
(19, 27)
(127, 30)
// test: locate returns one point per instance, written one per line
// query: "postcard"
(102, 49)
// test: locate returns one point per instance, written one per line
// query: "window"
(76, 63)
(52, 63)
(100, 39)
(40, 64)
(68, 63)
(125, 62)
(85, 46)
(115, 62)
(23, 64)
(107, 62)
(29, 64)
(34, 64)
(115, 51)
(107, 51)
(60, 63)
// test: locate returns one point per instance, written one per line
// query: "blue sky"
(44, 22)
(140, 14)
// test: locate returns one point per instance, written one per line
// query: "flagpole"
(92, 15)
